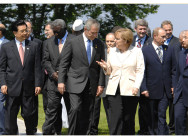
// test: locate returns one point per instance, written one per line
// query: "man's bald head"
(2, 30)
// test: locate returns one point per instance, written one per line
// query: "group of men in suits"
(70, 68)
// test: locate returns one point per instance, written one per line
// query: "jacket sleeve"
(3, 64)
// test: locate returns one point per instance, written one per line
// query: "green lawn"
(103, 128)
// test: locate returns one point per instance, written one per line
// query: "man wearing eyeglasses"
(52, 53)
(20, 78)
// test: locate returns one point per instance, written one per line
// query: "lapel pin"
(96, 46)
(27, 48)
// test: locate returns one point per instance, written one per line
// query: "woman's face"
(120, 43)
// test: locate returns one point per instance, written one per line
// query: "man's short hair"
(91, 22)
(14, 26)
(59, 22)
(140, 22)
(166, 22)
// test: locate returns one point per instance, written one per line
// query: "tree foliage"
(109, 15)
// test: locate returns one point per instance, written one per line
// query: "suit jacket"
(127, 75)
(181, 80)
(158, 77)
(75, 65)
(174, 42)
(16, 76)
(147, 41)
(51, 59)
(4, 41)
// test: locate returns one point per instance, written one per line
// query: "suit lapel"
(82, 47)
(154, 53)
(94, 51)
(27, 47)
(15, 50)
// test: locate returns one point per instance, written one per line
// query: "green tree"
(109, 15)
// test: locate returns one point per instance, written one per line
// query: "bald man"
(2, 97)
(110, 37)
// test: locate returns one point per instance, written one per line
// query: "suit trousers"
(53, 120)
(2, 113)
(44, 93)
(143, 115)
(157, 116)
(171, 115)
(180, 117)
(81, 111)
(122, 110)
(95, 116)
(12, 107)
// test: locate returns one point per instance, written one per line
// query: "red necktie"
(21, 52)
(187, 60)
(139, 43)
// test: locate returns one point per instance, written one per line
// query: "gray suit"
(82, 80)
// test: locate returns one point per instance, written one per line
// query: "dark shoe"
(35, 130)
(58, 133)
(171, 132)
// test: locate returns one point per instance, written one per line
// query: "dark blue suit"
(181, 94)
(158, 81)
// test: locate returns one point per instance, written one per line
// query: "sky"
(176, 13)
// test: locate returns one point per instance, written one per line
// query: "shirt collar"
(18, 42)
(155, 46)
(142, 39)
(64, 38)
(2, 38)
(168, 40)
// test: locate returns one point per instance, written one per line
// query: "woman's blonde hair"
(125, 34)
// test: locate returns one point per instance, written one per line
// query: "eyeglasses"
(22, 31)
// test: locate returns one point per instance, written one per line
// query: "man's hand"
(4, 89)
(99, 90)
(55, 76)
(61, 88)
(135, 91)
(172, 89)
(145, 93)
(37, 90)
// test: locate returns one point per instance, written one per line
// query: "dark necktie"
(89, 50)
(187, 60)
(160, 55)
(139, 43)
(21, 53)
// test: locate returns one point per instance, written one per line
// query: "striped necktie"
(159, 53)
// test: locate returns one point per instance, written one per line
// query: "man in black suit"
(31, 37)
(20, 78)
(160, 65)
(171, 41)
(52, 52)
(83, 77)
(2, 96)
(141, 39)
(181, 89)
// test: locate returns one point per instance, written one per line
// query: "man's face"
(168, 29)
(48, 31)
(160, 38)
(92, 33)
(185, 40)
(141, 31)
(110, 40)
(59, 32)
(29, 29)
(21, 34)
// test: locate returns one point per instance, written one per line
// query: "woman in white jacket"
(125, 65)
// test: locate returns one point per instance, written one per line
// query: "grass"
(103, 128)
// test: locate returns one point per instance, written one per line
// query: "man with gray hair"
(52, 52)
(141, 39)
(171, 41)
(85, 78)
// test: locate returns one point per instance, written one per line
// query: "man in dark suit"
(85, 78)
(181, 89)
(3, 40)
(20, 78)
(48, 33)
(31, 37)
(171, 41)
(157, 83)
(52, 52)
(141, 39)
